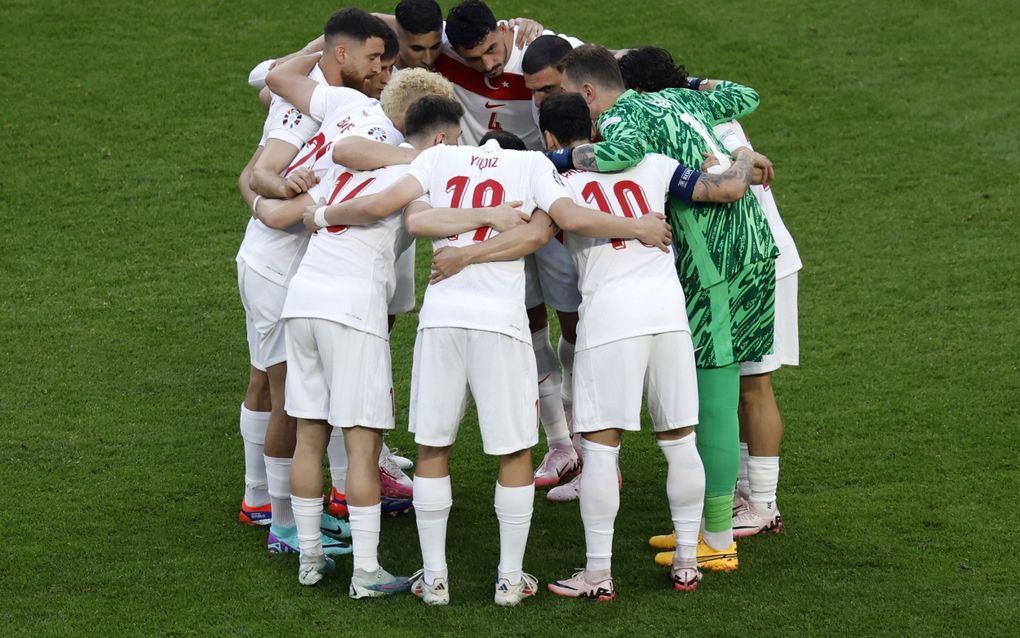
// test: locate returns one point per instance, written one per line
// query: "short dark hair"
(505, 139)
(545, 51)
(652, 69)
(469, 23)
(430, 113)
(594, 64)
(419, 16)
(390, 43)
(566, 116)
(356, 24)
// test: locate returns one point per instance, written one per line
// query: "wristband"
(563, 159)
(255, 206)
(693, 83)
(320, 217)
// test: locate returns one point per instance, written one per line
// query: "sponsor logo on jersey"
(292, 118)
(491, 105)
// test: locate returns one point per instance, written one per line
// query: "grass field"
(893, 127)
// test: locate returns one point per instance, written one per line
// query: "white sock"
(600, 502)
(566, 351)
(308, 517)
(253, 433)
(278, 477)
(365, 526)
(763, 475)
(685, 489)
(743, 487)
(550, 397)
(433, 499)
(513, 511)
(718, 540)
(337, 454)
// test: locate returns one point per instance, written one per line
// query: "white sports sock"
(600, 502)
(550, 397)
(278, 476)
(365, 526)
(308, 518)
(513, 511)
(763, 475)
(337, 454)
(566, 351)
(685, 489)
(253, 433)
(743, 487)
(718, 540)
(433, 499)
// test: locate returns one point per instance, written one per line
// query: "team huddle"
(607, 185)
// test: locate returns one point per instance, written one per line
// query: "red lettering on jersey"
(494, 124)
(483, 163)
(509, 86)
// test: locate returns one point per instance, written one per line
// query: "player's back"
(488, 294)
(627, 288)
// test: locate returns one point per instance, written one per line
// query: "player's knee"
(755, 388)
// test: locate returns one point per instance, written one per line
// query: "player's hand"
(506, 216)
(709, 161)
(447, 262)
(300, 181)
(655, 232)
(763, 172)
(529, 31)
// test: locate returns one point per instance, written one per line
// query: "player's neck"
(331, 71)
(605, 100)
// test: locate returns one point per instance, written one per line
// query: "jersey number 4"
(629, 195)
(486, 194)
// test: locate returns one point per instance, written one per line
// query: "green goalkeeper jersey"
(714, 241)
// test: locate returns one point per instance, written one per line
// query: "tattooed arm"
(729, 186)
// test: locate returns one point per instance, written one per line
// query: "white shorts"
(403, 295)
(786, 349)
(610, 379)
(338, 374)
(497, 370)
(263, 303)
(551, 278)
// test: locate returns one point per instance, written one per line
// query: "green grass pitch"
(893, 127)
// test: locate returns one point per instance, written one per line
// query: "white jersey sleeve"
(546, 183)
(326, 99)
(257, 76)
(288, 124)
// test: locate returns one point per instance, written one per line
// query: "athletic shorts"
(498, 371)
(610, 379)
(551, 278)
(733, 320)
(338, 374)
(263, 303)
(786, 349)
(403, 295)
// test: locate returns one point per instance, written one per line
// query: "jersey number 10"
(628, 194)
(486, 194)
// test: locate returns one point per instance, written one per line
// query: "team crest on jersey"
(377, 133)
(292, 118)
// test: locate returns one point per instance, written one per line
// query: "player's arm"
(651, 229)
(266, 178)
(365, 210)
(244, 180)
(690, 185)
(624, 146)
(257, 76)
(726, 100)
(362, 154)
(506, 246)
(291, 82)
(422, 220)
(281, 213)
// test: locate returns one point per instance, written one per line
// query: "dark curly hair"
(651, 69)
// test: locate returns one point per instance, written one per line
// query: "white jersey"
(627, 289)
(273, 253)
(342, 112)
(504, 103)
(487, 296)
(732, 136)
(347, 274)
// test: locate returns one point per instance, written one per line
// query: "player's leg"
(438, 399)
(671, 387)
(255, 506)
(565, 350)
(561, 461)
(279, 449)
(501, 375)
(764, 428)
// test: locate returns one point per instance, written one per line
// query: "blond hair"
(407, 85)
